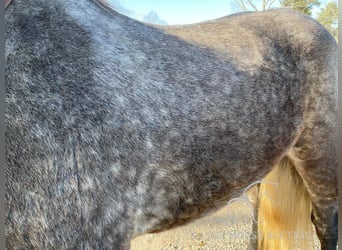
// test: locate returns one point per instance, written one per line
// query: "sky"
(183, 11)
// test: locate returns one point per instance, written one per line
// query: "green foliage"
(328, 17)
(304, 6)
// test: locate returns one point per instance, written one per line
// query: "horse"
(117, 128)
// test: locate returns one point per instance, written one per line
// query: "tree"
(328, 17)
(246, 5)
(304, 6)
(152, 17)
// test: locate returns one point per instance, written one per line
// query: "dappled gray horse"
(115, 128)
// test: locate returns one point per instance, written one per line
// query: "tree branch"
(251, 4)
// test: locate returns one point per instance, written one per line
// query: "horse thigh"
(316, 162)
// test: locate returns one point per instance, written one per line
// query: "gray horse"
(115, 128)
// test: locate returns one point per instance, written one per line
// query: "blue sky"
(181, 11)
(184, 11)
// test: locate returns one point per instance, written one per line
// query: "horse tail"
(284, 214)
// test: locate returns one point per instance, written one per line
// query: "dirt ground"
(228, 228)
(225, 229)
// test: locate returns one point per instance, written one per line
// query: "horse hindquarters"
(315, 153)
(314, 156)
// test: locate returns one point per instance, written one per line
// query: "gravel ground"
(228, 228)
(225, 229)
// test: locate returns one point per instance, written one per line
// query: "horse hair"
(115, 128)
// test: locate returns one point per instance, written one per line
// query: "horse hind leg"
(315, 157)
(317, 164)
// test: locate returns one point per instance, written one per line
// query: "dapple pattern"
(115, 128)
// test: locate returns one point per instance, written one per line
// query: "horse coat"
(115, 128)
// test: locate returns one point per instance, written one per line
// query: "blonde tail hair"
(284, 214)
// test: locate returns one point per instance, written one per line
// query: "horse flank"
(115, 128)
